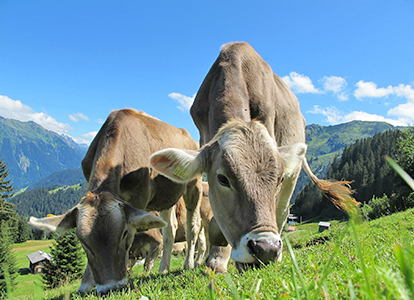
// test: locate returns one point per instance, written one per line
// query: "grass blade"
(295, 263)
(405, 260)
(401, 172)
(361, 259)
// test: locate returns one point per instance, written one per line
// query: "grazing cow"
(253, 138)
(120, 185)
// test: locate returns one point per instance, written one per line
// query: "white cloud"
(334, 116)
(342, 96)
(184, 101)
(85, 138)
(405, 91)
(300, 84)
(15, 109)
(336, 85)
(370, 89)
(403, 112)
(75, 117)
(89, 135)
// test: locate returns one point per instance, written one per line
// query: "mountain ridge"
(32, 152)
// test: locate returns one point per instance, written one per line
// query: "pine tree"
(405, 146)
(68, 261)
(8, 215)
(24, 232)
(8, 267)
(6, 188)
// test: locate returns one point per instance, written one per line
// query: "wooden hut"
(37, 260)
(324, 226)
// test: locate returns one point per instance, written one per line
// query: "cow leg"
(153, 253)
(219, 250)
(192, 199)
(168, 237)
(202, 248)
(88, 282)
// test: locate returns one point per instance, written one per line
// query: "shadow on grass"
(24, 271)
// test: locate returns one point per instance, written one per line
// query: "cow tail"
(338, 192)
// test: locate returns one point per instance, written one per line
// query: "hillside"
(60, 178)
(370, 260)
(325, 142)
(33, 153)
(48, 200)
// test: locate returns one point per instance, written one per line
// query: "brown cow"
(121, 184)
(254, 148)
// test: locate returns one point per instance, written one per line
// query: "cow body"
(118, 172)
(253, 135)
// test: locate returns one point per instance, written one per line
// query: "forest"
(48, 200)
(376, 186)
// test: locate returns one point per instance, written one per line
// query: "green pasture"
(370, 260)
(28, 284)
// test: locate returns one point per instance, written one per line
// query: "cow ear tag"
(180, 172)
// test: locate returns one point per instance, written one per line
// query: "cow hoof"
(188, 267)
(217, 267)
(85, 288)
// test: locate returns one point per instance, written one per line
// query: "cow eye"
(222, 180)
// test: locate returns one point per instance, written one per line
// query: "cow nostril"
(254, 249)
(263, 250)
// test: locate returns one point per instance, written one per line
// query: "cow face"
(245, 170)
(106, 228)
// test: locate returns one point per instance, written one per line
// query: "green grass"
(371, 260)
(28, 285)
(75, 187)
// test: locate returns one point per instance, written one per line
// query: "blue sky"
(67, 64)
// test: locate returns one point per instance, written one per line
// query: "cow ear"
(293, 156)
(59, 224)
(142, 220)
(176, 164)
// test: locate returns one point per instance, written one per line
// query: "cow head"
(106, 227)
(245, 170)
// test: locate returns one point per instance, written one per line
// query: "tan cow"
(121, 185)
(254, 148)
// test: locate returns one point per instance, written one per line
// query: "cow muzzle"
(258, 248)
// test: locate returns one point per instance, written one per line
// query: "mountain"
(325, 142)
(33, 153)
(48, 200)
(322, 140)
(60, 178)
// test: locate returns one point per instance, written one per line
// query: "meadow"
(369, 260)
